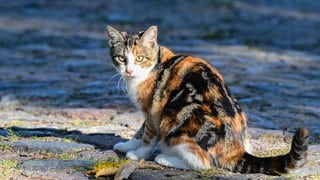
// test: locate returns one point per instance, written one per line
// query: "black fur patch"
(206, 136)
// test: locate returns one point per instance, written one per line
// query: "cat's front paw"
(124, 147)
(120, 147)
(141, 153)
(133, 155)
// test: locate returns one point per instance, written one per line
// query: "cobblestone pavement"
(62, 107)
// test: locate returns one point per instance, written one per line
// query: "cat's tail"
(278, 164)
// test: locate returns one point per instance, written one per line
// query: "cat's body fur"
(188, 110)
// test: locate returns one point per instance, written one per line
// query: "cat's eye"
(140, 58)
(119, 59)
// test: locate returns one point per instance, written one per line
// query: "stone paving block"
(55, 165)
(45, 146)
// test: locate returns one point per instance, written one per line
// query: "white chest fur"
(132, 87)
(133, 83)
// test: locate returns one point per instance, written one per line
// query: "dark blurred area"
(55, 52)
(290, 24)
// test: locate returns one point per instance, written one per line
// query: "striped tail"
(278, 164)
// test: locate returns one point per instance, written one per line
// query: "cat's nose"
(129, 71)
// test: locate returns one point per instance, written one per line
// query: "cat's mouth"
(127, 75)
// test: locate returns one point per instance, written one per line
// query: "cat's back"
(175, 71)
(183, 64)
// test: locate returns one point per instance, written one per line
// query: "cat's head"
(134, 55)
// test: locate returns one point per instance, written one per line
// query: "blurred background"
(54, 54)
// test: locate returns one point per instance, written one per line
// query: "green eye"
(119, 59)
(140, 58)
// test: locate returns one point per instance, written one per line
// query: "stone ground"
(62, 107)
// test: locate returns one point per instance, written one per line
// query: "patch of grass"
(88, 122)
(298, 176)
(82, 169)
(110, 159)
(17, 122)
(5, 147)
(67, 156)
(112, 162)
(313, 176)
(50, 138)
(13, 136)
(78, 122)
(213, 172)
(8, 168)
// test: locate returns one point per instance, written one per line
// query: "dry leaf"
(108, 168)
(121, 169)
(108, 171)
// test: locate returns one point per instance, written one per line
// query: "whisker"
(124, 85)
(112, 77)
(119, 84)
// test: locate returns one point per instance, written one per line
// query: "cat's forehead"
(130, 39)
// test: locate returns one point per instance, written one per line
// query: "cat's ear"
(114, 36)
(149, 37)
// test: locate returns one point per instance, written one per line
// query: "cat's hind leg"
(187, 151)
(171, 161)
(142, 152)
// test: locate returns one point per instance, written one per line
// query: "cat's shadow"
(103, 141)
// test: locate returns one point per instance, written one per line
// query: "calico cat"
(188, 110)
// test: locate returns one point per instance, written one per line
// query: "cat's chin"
(132, 76)
(128, 77)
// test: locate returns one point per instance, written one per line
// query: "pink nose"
(129, 71)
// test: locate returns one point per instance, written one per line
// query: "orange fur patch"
(145, 90)
(228, 156)
(166, 54)
(216, 149)
(237, 123)
(216, 121)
